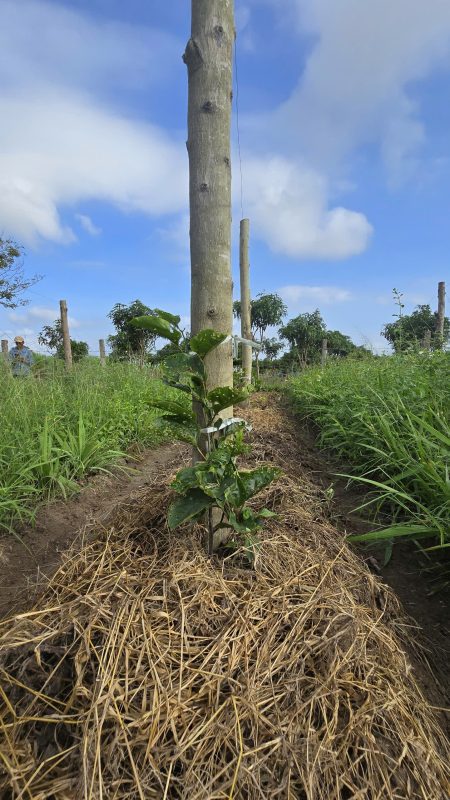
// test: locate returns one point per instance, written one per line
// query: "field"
(387, 419)
(56, 428)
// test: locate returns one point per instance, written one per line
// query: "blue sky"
(344, 124)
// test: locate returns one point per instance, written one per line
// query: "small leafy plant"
(213, 486)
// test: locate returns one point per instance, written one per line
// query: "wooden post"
(101, 345)
(5, 349)
(208, 57)
(324, 352)
(441, 313)
(246, 322)
(66, 335)
(427, 340)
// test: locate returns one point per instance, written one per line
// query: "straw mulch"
(147, 671)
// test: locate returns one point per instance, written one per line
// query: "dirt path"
(27, 563)
(23, 569)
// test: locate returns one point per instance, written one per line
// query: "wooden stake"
(324, 352)
(5, 349)
(246, 322)
(66, 335)
(101, 345)
(441, 313)
(427, 340)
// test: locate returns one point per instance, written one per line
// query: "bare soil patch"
(27, 564)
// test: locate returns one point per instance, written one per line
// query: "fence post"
(246, 322)
(66, 335)
(427, 340)
(5, 349)
(324, 352)
(441, 313)
(101, 345)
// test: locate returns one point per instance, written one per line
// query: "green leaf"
(257, 479)
(186, 478)
(172, 407)
(246, 524)
(159, 326)
(188, 507)
(415, 531)
(205, 341)
(225, 396)
(179, 364)
(172, 318)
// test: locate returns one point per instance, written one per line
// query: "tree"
(339, 344)
(51, 336)
(271, 348)
(267, 310)
(408, 331)
(208, 57)
(305, 334)
(12, 279)
(129, 341)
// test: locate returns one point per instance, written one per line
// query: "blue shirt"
(20, 360)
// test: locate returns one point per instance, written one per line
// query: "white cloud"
(288, 205)
(87, 225)
(355, 88)
(305, 298)
(58, 150)
(74, 49)
(37, 316)
(61, 142)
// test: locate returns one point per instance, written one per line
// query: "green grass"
(388, 420)
(56, 428)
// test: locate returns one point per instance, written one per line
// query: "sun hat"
(19, 339)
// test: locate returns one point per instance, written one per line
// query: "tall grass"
(388, 420)
(55, 428)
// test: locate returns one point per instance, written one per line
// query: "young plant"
(213, 486)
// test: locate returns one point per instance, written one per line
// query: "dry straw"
(148, 671)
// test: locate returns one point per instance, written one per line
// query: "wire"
(237, 125)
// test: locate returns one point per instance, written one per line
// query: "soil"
(30, 560)
(26, 564)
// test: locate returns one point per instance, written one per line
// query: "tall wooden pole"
(427, 340)
(324, 355)
(5, 349)
(101, 346)
(208, 57)
(441, 312)
(66, 335)
(246, 321)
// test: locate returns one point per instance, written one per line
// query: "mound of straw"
(148, 671)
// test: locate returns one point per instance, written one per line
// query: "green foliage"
(51, 336)
(408, 331)
(214, 481)
(305, 334)
(12, 280)
(267, 310)
(57, 428)
(271, 348)
(388, 418)
(131, 342)
(205, 341)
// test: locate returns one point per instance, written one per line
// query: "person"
(20, 358)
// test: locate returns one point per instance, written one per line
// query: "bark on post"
(324, 352)
(441, 313)
(101, 345)
(246, 323)
(66, 335)
(208, 57)
(5, 349)
(427, 340)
